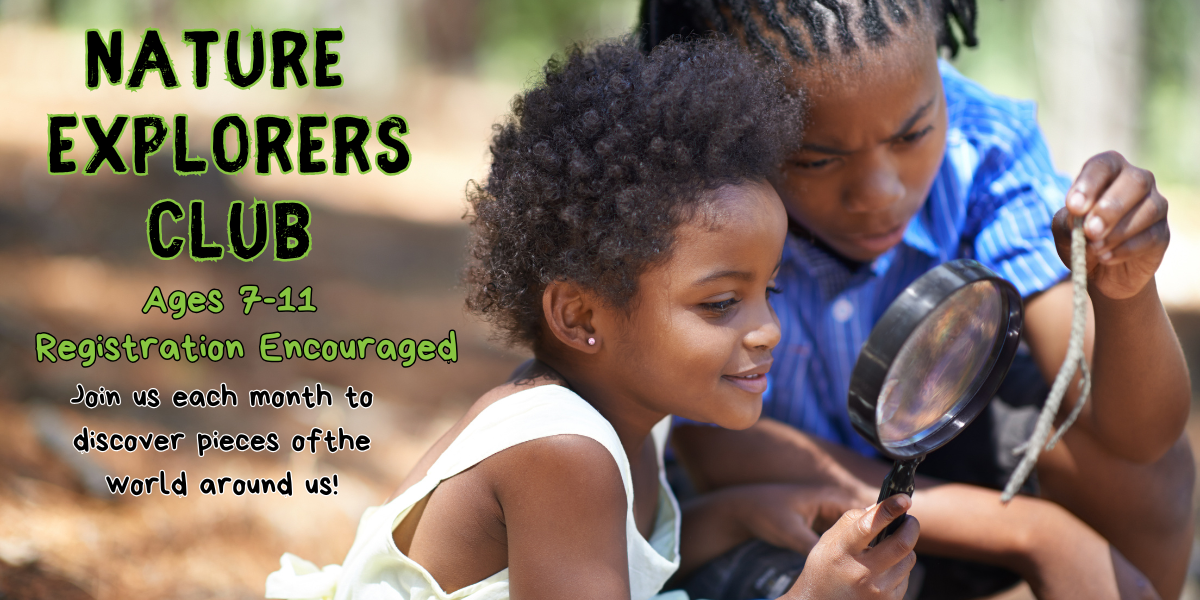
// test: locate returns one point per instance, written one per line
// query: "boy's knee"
(1176, 474)
(1120, 499)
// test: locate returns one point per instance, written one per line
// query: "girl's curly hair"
(601, 161)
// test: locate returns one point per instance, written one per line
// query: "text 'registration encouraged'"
(231, 140)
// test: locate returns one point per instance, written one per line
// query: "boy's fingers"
(1149, 212)
(1127, 191)
(1156, 237)
(1097, 173)
(1060, 226)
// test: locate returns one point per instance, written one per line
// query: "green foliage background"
(517, 36)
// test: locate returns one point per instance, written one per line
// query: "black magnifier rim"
(901, 319)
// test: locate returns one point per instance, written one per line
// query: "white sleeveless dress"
(375, 569)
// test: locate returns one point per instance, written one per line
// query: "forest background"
(1107, 74)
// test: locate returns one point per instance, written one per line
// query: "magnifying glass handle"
(900, 480)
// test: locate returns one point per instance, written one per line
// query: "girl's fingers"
(871, 523)
(1097, 173)
(797, 536)
(1151, 211)
(898, 576)
(1128, 190)
(897, 549)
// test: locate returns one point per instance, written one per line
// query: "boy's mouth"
(878, 243)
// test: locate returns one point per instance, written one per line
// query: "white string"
(1073, 361)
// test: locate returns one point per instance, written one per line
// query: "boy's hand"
(1125, 221)
(842, 566)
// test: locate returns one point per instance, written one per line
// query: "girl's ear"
(569, 313)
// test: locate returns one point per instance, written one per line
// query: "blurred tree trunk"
(1089, 55)
(451, 32)
(373, 52)
(1190, 152)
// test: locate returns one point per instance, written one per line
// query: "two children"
(906, 164)
(628, 236)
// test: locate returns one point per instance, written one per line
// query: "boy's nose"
(876, 186)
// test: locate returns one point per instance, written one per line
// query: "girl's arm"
(564, 512)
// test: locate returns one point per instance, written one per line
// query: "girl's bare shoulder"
(524, 379)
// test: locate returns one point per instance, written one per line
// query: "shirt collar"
(832, 274)
(918, 237)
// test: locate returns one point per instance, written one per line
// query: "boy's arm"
(1059, 555)
(1141, 391)
(840, 563)
(1140, 385)
(1039, 540)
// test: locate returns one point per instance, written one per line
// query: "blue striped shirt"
(992, 200)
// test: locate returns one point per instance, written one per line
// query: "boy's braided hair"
(802, 28)
(601, 161)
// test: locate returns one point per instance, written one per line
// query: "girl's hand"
(1125, 222)
(842, 566)
(781, 514)
(790, 516)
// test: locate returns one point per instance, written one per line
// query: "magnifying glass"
(931, 365)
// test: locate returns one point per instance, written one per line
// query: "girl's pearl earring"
(591, 341)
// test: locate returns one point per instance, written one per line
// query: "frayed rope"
(1074, 360)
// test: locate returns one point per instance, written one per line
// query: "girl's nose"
(876, 186)
(765, 335)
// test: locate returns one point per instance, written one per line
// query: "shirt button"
(842, 310)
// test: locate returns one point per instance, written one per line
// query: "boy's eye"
(912, 137)
(813, 165)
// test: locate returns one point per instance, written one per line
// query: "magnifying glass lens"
(941, 365)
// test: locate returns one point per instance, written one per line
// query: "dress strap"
(530, 414)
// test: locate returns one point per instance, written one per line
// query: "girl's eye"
(772, 290)
(914, 136)
(721, 306)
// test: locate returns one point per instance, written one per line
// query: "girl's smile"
(754, 382)
(698, 341)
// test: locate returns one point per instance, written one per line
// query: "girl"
(906, 164)
(627, 235)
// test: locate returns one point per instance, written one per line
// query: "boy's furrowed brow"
(916, 116)
(824, 149)
(902, 130)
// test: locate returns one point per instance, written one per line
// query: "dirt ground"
(73, 262)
